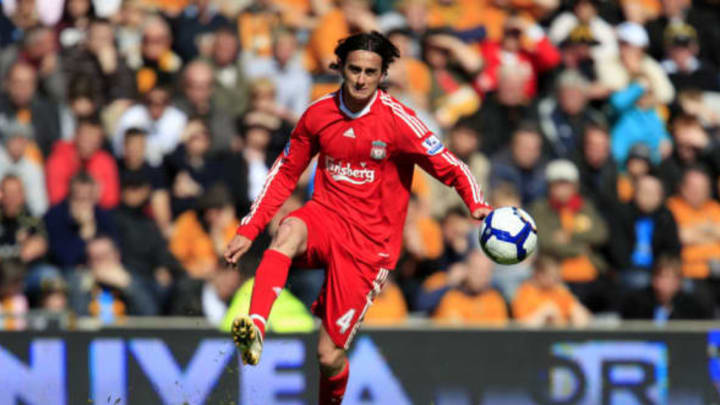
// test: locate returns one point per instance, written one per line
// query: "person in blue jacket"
(638, 122)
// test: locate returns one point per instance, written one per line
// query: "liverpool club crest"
(378, 150)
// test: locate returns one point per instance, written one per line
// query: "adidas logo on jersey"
(349, 133)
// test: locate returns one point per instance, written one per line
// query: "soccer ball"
(508, 235)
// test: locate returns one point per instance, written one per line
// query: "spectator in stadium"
(133, 164)
(84, 153)
(13, 303)
(284, 67)
(598, 171)
(348, 16)
(39, 49)
(256, 24)
(144, 248)
(264, 112)
(194, 27)
(664, 298)
(524, 45)
(473, 301)
(693, 146)
(53, 294)
(457, 230)
(196, 101)
(15, 160)
(564, 115)
(163, 123)
(210, 297)
(73, 25)
(454, 14)
(21, 103)
(159, 63)
(617, 74)
(22, 235)
(522, 163)
(698, 219)
(464, 141)
(409, 77)
(503, 111)
(685, 69)
(639, 164)
(84, 101)
(435, 286)
(105, 288)
(584, 13)
(389, 307)
(681, 11)
(642, 230)
(76, 220)
(423, 238)
(576, 52)
(573, 230)
(230, 88)
(98, 58)
(451, 63)
(20, 16)
(544, 300)
(191, 169)
(199, 236)
(638, 122)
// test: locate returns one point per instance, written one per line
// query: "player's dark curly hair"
(373, 42)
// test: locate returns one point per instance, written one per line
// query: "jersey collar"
(360, 113)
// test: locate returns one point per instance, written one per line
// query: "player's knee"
(290, 238)
(331, 358)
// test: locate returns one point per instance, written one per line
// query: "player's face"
(362, 72)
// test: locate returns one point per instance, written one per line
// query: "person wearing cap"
(583, 25)
(685, 69)
(572, 232)
(685, 12)
(576, 51)
(565, 115)
(633, 62)
(14, 159)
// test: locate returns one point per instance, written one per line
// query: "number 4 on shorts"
(344, 321)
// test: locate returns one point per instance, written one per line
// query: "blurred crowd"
(134, 135)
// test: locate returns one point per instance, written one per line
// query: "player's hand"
(481, 213)
(236, 248)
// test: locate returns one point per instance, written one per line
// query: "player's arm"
(279, 184)
(426, 150)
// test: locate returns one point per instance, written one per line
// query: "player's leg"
(334, 369)
(249, 330)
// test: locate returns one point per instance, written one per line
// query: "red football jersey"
(365, 168)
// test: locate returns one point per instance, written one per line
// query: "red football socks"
(270, 279)
(332, 389)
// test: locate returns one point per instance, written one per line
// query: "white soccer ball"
(508, 235)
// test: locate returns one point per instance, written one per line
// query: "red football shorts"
(350, 284)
